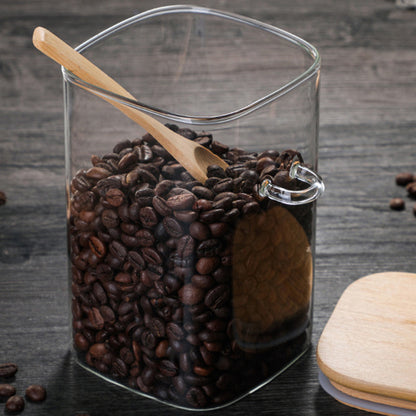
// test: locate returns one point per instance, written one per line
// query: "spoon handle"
(59, 51)
(188, 153)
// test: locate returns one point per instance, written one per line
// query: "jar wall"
(192, 294)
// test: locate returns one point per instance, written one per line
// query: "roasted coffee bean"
(97, 173)
(154, 271)
(108, 314)
(97, 247)
(99, 293)
(215, 171)
(236, 170)
(212, 215)
(110, 218)
(148, 376)
(283, 180)
(172, 227)
(188, 133)
(174, 331)
(219, 148)
(125, 144)
(186, 216)
(195, 396)
(225, 203)
(224, 185)
(148, 217)
(115, 197)
(98, 350)
(231, 215)
(204, 140)
(411, 189)
(202, 205)
(143, 194)
(251, 208)
(168, 368)
(15, 404)
(209, 248)
(144, 175)
(35, 393)
(163, 187)
(404, 178)
(144, 153)
(118, 250)
(203, 281)
(128, 160)
(8, 370)
(218, 229)
(199, 231)
(3, 198)
(206, 265)
(181, 201)
(397, 204)
(151, 256)
(264, 162)
(95, 320)
(203, 192)
(81, 342)
(185, 246)
(148, 340)
(157, 326)
(119, 368)
(136, 260)
(191, 294)
(104, 185)
(218, 296)
(7, 390)
(161, 206)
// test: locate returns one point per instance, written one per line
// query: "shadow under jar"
(194, 294)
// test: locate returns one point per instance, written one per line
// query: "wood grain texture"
(369, 342)
(367, 135)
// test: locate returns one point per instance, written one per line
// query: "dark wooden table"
(367, 135)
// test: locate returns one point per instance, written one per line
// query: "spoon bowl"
(191, 155)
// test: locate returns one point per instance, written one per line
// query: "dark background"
(367, 135)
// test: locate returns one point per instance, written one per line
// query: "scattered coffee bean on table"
(411, 189)
(15, 404)
(7, 390)
(403, 178)
(407, 180)
(35, 393)
(397, 204)
(8, 370)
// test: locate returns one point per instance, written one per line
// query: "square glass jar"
(193, 294)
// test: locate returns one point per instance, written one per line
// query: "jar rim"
(311, 71)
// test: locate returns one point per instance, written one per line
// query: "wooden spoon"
(191, 155)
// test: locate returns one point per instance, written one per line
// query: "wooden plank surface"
(367, 135)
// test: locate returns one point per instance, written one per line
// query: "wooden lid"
(368, 347)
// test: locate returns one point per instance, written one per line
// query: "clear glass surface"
(193, 294)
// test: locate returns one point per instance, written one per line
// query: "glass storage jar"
(193, 294)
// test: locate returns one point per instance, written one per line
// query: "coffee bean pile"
(151, 251)
(14, 402)
(407, 180)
